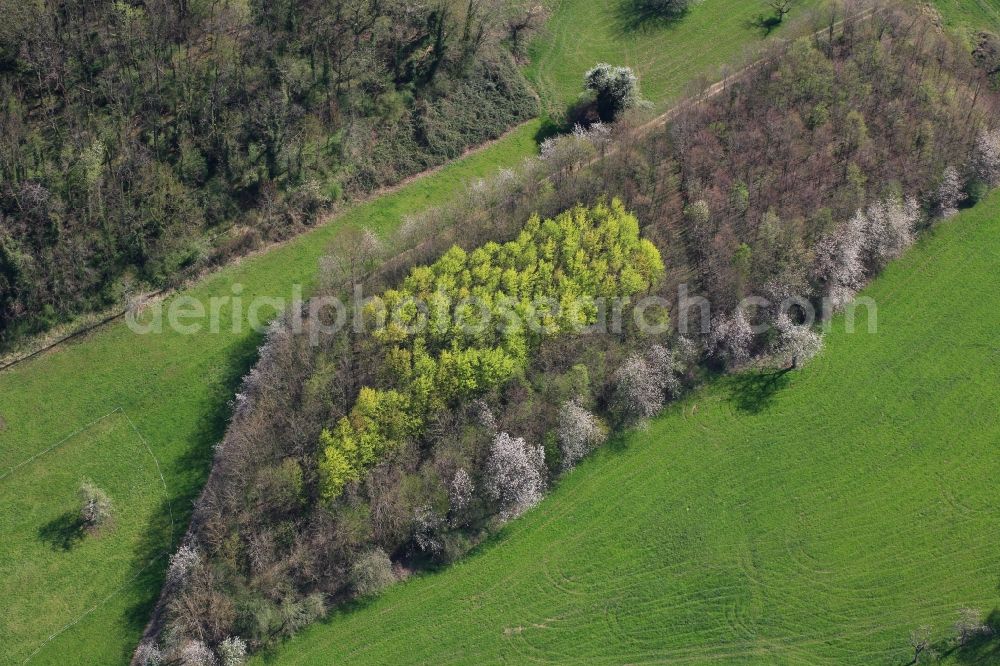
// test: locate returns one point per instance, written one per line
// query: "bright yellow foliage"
(467, 323)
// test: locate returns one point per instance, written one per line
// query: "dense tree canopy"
(467, 324)
(140, 140)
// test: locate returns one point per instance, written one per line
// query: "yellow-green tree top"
(468, 322)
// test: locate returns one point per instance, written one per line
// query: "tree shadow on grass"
(753, 391)
(185, 479)
(63, 532)
(766, 24)
(644, 16)
(982, 649)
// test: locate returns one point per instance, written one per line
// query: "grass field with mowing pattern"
(582, 33)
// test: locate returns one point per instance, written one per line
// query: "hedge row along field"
(408, 460)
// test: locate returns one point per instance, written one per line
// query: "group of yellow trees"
(467, 323)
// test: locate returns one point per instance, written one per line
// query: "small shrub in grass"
(616, 89)
(95, 506)
(372, 573)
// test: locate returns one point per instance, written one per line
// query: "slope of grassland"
(815, 517)
(175, 389)
(581, 33)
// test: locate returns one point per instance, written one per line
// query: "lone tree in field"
(616, 89)
(95, 506)
(920, 641)
(781, 8)
(970, 626)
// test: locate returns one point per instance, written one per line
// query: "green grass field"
(812, 518)
(45, 548)
(581, 33)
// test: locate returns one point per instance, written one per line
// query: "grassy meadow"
(814, 517)
(970, 16)
(581, 33)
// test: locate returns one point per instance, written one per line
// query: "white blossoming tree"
(233, 651)
(645, 380)
(460, 491)
(797, 344)
(515, 474)
(986, 157)
(950, 193)
(181, 564)
(579, 433)
(731, 338)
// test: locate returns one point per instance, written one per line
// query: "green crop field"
(815, 517)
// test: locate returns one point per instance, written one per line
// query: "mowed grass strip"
(815, 517)
(176, 388)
